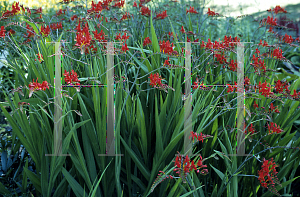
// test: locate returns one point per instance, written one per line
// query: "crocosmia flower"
(40, 57)
(2, 32)
(211, 13)
(125, 48)
(155, 79)
(145, 11)
(182, 30)
(45, 31)
(267, 175)
(147, 41)
(191, 10)
(162, 15)
(71, 78)
(35, 86)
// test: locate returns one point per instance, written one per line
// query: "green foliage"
(149, 122)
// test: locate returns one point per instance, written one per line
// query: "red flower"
(271, 107)
(119, 4)
(171, 34)
(83, 37)
(211, 13)
(247, 81)
(118, 37)
(162, 15)
(277, 10)
(265, 44)
(59, 25)
(200, 138)
(71, 78)
(15, 8)
(195, 85)
(44, 85)
(125, 16)
(231, 88)
(147, 41)
(99, 36)
(182, 30)
(188, 165)
(209, 44)
(233, 65)
(202, 44)
(278, 53)
(270, 174)
(78, 28)
(56, 26)
(166, 47)
(191, 10)
(287, 39)
(40, 57)
(279, 86)
(30, 31)
(271, 22)
(45, 31)
(155, 79)
(274, 129)
(167, 61)
(257, 51)
(105, 4)
(200, 164)
(124, 37)
(96, 8)
(125, 48)
(296, 95)
(82, 40)
(73, 17)
(261, 65)
(193, 135)
(178, 162)
(134, 4)
(145, 11)
(251, 129)
(264, 90)
(35, 86)
(192, 166)
(186, 160)
(255, 105)
(59, 12)
(2, 32)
